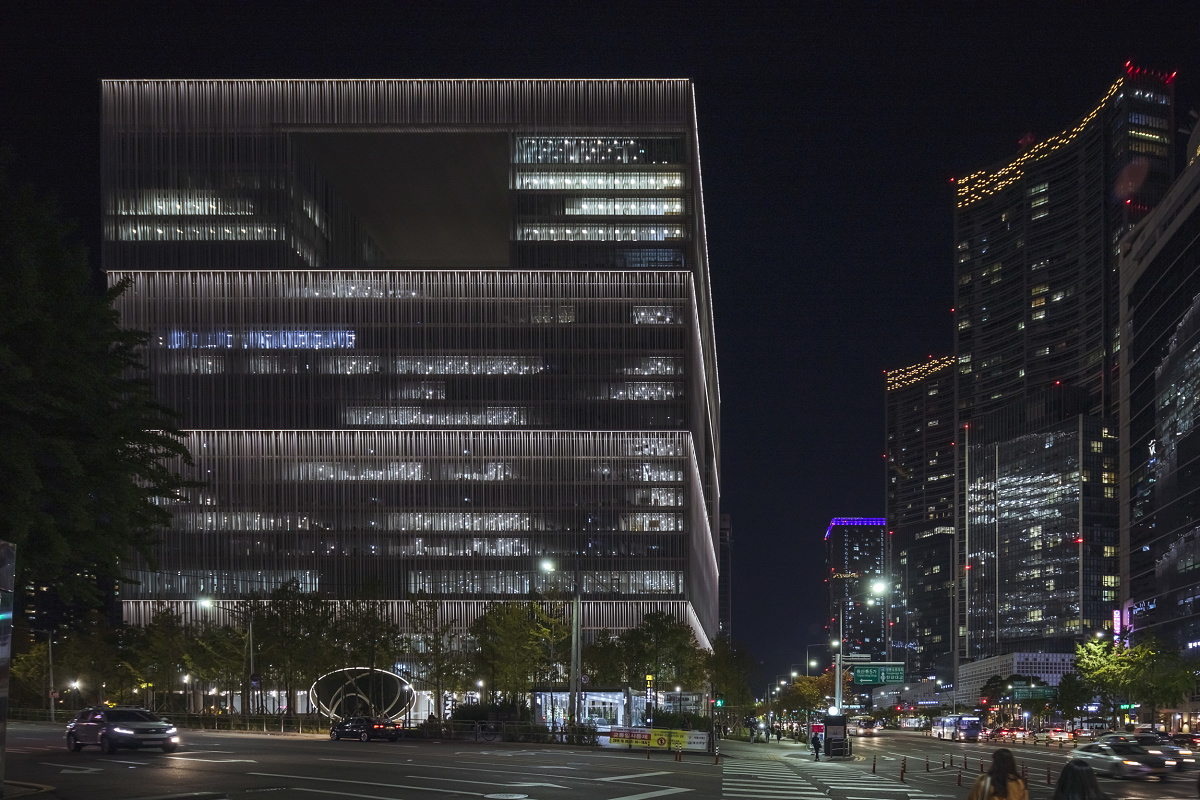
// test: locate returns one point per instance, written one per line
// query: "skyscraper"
(1036, 245)
(427, 338)
(858, 590)
(1160, 374)
(920, 514)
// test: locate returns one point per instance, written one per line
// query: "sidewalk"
(763, 752)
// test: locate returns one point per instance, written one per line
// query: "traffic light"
(720, 700)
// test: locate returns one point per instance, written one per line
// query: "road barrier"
(960, 777)
(873, 759)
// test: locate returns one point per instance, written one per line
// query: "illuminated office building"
(1160, 451)
(920, 515)
(854, 557)
(1036, 253)
(425, 336)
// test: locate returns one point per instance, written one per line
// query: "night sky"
(828, 135)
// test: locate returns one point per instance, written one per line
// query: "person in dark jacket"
(816, 745)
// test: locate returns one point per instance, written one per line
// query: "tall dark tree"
(84, 449)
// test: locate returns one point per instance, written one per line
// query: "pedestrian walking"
(1002, 780)
(1078, 782)
(816, 745)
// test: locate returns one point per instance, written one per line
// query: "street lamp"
(573, 702)
(206, 602)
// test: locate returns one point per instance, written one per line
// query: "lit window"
(1038, 189)
(1039, 314)
(1041, 288)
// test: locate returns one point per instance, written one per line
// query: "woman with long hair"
(1002, 780)
(1077, 781)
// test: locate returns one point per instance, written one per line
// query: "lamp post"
(809, 661)
(249, 617)
(49, 667)
(547, 566)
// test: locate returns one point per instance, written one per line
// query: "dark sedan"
(365, 729)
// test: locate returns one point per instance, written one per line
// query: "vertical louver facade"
(424, 336)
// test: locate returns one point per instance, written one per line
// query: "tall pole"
(837, 675)
(50, 669)
(250, 626)
(575, 654)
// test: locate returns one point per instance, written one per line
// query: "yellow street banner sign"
(658, 738)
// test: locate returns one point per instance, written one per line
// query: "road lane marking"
(74, 769)
(492, 771)
(214, 760)
(647, 795)
(373, 783)
(341, 794)
(483, 783)
(638, 775)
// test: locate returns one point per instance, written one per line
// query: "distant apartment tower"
(425, 336)
(725, 581)
(1160, 449)
(855, 557)
(920, 515)
(1036, 251)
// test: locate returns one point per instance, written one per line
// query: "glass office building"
(1160, 370)
(920, 514)
(1036, 254)
(854, 555)
(425, 336)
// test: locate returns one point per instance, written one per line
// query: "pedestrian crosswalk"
(808, 780)
(765, 780)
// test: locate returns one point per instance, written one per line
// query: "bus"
(957, 728)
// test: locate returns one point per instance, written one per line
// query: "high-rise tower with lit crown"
(1036, 344)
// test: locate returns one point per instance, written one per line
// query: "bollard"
(904, 764)
(679, 752)
(960, 777)
(952, 761)
(902, 774)
(647, 753)
(927, 763)
(717, 755)
(1049, 782)
(943, 762)
(873, 759)
(981, 766)
(1024, 773)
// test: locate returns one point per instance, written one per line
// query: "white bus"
(957, 728)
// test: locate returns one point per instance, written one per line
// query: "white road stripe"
(647, 795)
(342, 794)
(631, 777)
(365, 783)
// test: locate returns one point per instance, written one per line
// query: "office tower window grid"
(854, 555)
(1037, 242)
(516, 267)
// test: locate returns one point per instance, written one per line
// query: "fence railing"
(272, 723)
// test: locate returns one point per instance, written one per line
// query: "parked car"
(1124, 760)
(1190, 740)
(365, 729)
(121, 726)
(1157, 744)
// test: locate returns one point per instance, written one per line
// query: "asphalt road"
(245, 766)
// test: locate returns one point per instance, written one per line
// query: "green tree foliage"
(1073, 694)
(84, 450)
(729, 666)
(434, 650)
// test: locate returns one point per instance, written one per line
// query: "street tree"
(86, 453)
(433, 648)
(1073, 694)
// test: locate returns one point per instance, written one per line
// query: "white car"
(1124, 760)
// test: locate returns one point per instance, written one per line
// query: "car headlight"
(175, 739)
(1156, 752)
(1170, 763)
(123, 730)
(169, 731)
(1131, 763)
(1185, 752)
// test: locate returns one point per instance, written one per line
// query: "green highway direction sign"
(1035, 693)
(878, 673)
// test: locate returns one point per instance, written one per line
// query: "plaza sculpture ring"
(362, 691)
